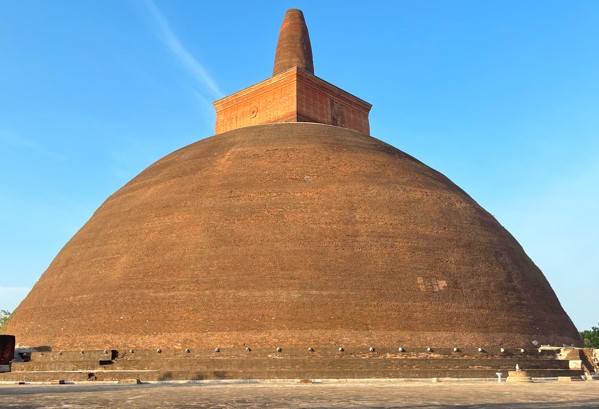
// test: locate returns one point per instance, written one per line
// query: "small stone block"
(130, 381)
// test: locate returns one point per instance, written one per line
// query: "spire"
(293, 47)
(293, 93)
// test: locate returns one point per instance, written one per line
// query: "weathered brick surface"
(293, 47)
(297, 235)
(292, 96)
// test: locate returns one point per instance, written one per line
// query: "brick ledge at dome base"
(267, 363)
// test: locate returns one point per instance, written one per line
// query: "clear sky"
(500, 96)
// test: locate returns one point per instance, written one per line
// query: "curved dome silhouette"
(293, 227)
(291, 234)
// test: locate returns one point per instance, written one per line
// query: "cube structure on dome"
(292, 96)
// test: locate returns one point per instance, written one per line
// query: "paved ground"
(288, 395)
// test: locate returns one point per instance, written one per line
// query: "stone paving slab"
(305, 395)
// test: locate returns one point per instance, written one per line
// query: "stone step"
(77, 376)
(154, 375)
(263, 363)
(88, 355)
(271, 368)
(282, 361)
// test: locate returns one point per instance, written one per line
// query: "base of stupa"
(276, 363)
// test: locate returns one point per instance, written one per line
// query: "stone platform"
(248, 363)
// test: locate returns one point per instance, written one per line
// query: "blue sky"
(501, 96)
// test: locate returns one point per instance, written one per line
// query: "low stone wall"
(247, 363)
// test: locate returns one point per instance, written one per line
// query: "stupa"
(292, 227)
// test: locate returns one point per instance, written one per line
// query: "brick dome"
(291, 234)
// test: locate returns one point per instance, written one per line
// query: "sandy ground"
(297, 395)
